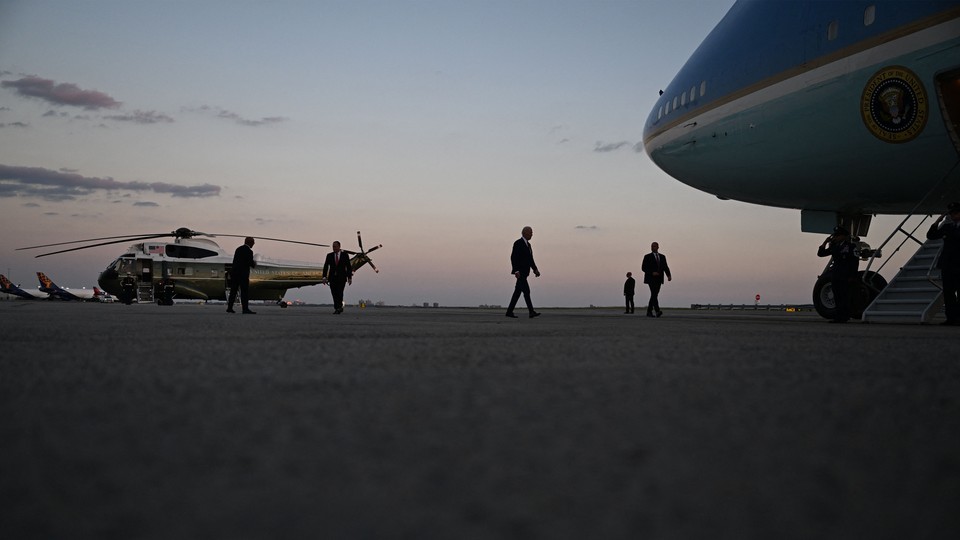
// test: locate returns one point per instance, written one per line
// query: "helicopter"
(193, 266)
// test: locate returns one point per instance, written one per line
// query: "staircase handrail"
(875, 253)
(933, 266)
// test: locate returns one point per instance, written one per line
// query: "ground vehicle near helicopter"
(189, 267)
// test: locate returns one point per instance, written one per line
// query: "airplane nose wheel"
(861, 295)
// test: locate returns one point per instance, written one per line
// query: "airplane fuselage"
(835, 107)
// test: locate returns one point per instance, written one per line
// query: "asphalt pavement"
(158, 422)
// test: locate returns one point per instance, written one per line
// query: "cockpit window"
(188, 252)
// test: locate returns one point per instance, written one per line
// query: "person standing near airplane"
(240, 276)
(842, 271)
(338, 272)
(521, 262)
(629, 288)
(654, 267)
(949, 261)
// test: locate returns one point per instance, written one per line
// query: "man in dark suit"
(949, 261)
(338, 273)
(629, 288)
(654, 268)
(521, 261)
(240, 276)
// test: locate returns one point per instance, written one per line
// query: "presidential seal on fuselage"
(894, 105)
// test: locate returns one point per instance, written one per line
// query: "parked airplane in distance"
(30, 294)
(48, 286)
(842, 110)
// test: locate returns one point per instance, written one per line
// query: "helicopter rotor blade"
(103, 244)
(374, 248)
(125, 236)
(373, 266)
(270, 239)
(359, 241)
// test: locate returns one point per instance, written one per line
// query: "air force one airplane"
(840, 109)
(31, 294)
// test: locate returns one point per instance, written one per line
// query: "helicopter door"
(145, 280)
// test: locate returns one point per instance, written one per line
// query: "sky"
(437, 128)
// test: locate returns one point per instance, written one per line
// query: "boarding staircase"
(915, 294)
(145, 291)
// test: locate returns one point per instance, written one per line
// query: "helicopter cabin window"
(660, 114)
(675, 104)
(683, 99)
(188, 252)
(869, 15)
(693, 94)
(703, 88)
(833, 30)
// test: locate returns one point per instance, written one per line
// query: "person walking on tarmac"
(949, 261)
(654, 267)
(842, 270)
(240, 276)
(521, 263)
(338, 273)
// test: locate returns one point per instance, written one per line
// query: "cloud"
(234, 117)
(586, 227)
(146, 203)
(610, 147)
(63, 186)
(61, 94)
(141, 117)
(14, 125)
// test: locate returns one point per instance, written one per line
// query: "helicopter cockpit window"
(188, 252)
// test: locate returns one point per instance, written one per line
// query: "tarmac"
(157, 422)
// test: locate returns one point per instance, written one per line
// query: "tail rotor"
(362, 257)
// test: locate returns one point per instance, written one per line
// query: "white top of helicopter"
(204, 249)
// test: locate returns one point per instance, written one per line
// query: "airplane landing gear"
(860, 294)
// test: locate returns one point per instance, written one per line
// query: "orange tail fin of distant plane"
(45, 282)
